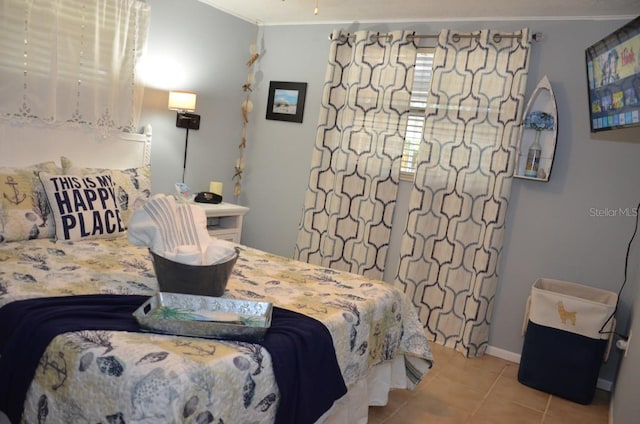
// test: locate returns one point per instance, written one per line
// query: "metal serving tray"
(205, 316)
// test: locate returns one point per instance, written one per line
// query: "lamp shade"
(182, 101)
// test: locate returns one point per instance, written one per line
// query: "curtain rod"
(536, 36)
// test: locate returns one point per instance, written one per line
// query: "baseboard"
(602, 384)
(605, 385)
(503, 354)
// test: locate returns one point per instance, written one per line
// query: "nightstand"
(224, 220)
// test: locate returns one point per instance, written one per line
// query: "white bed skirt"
(373, 390)
(353, 408)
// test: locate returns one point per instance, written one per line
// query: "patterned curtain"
(72, 62)
(455, 227)
(348, 207)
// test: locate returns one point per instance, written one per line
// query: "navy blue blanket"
(304, 361)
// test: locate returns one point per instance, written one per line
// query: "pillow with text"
(83, 206)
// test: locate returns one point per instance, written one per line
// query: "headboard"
(22, 145)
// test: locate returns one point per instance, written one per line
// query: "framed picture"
(286, 101)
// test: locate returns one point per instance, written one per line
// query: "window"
(415, 123)
(72, 61)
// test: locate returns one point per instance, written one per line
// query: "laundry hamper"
(568, 330)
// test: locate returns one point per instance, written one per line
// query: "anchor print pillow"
(84, 206)
(24, 210)
(132, 185)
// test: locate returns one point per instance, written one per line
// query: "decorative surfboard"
(538, 134)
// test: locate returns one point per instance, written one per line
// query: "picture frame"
(286, 101)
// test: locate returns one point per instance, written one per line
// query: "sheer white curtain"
(455, 228)
(72, 61)
(348, 207)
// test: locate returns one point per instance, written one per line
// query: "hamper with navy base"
(569, 330)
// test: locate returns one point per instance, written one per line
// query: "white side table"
(224, 220)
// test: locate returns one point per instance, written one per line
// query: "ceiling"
(291, 12)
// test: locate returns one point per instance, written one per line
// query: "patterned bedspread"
(114, 377)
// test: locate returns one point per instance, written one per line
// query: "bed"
(121, 376)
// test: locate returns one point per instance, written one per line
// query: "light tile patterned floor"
(482, 391)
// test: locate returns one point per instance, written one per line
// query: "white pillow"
(132, 185)
(83, 206)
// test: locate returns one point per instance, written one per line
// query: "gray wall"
(551, 231)
(625, 406)
(212, 48)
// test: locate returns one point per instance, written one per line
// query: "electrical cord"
(624, 282)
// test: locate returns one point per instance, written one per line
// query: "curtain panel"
(355, 169)
(72, 61)
(455, 227)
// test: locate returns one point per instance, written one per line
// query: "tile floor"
(482, 391)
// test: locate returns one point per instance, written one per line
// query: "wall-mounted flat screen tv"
(613, 73)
